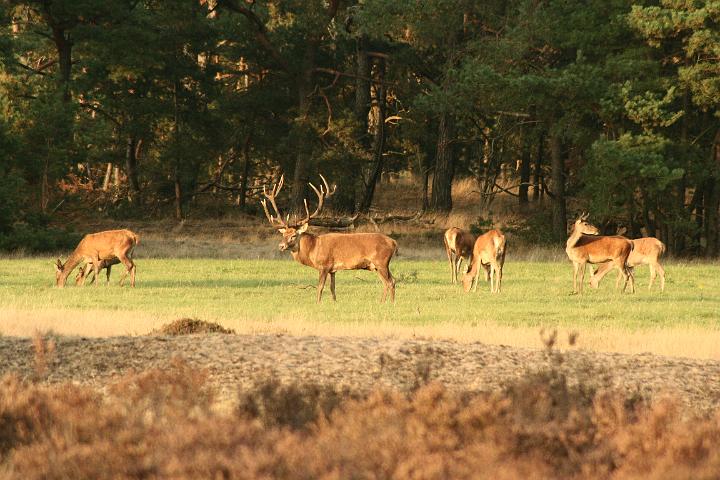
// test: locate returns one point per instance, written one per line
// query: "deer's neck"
(574, 237)
(306, 247)
(70, 265)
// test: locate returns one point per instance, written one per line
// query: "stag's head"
(59, 277)
(467, 280)
(582, 226)
(81, 274)
(292, 232)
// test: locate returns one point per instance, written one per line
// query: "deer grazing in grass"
(585, 245)
(646, 251)
(331, 252)
(488, 253)
(459, 247)
(84, 271)
(95, 248)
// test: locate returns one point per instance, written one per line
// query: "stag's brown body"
(95, 248)
(488, 254)
(458, 246)
(586, 246)
(332, 252)
(646, 251)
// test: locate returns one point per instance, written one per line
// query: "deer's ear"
(281, 230)
(303, 228)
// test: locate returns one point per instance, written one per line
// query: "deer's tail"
(136, 238)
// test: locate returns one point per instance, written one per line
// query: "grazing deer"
(331, 252)
(646, 251)
(488, 253)
(586, 246)
(95, 248)
(84, 271)
(459, 247)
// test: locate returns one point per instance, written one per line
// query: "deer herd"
(331, 252)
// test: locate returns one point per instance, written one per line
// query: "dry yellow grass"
(691, 342)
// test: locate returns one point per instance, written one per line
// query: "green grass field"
(237, 291)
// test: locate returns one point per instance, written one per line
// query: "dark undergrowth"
(164, 424)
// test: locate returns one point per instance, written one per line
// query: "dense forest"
(142, 107)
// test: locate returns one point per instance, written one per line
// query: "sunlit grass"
(279, 296)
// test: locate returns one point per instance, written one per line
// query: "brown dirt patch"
(188, 326)
(360, 364)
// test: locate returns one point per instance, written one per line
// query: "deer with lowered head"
(488, 254)
(328, 253)
(96, 248)
(459, 247)
(585, 245)
(646, 251)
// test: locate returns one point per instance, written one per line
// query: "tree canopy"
(143, 106)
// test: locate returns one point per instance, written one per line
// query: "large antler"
(271, 196)
(324, 192)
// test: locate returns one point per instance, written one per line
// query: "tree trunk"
(246, 172)
(63, 45)
(352, 188)
(131, 165)
(537, 174)
(559, 220)
(302, 131)
(378, 146)
(524, 169)
(712, 203)
(426, 184)
(441, 200)
(176, 171)
(362, 91)
(106, 181)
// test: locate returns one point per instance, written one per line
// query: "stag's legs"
(498, 277)
(107, 279)
(451, 260)
(658, 269)
(321, 284)
(493, 277)
(96, 270)
(578, 274)
(129, 268)
(332, 285)
(627, 275)
(388, 283)
(458, 262)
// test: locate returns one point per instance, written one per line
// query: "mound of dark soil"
(187, 326)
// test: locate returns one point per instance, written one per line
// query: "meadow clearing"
(277, 296)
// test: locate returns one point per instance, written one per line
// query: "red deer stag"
(459, 247)
(95, 248)
(488, 253)
(85, 270)
(646, 251)
(331, 252)
(586, 246)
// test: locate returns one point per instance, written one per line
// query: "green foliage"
(629, 170)
(630, 89)
(29, 238)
